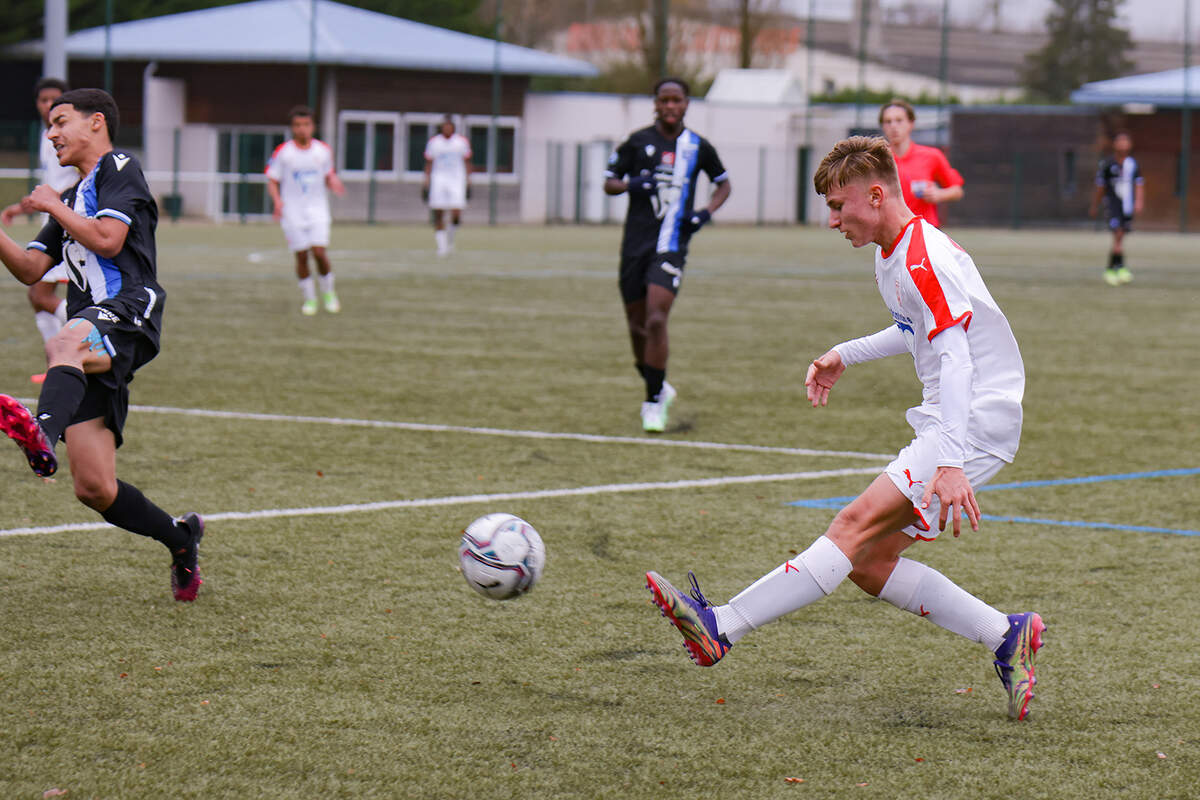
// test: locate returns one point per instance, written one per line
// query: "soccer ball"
(502, 556)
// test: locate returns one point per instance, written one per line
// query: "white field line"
(516, 434)
(467, 499)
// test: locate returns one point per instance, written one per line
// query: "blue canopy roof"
(279, 31)
(1156, 88)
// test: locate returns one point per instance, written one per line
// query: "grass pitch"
(336, 652)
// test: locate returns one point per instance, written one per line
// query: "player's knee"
(656, 322)
(94, 491)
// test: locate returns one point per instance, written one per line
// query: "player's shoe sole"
(185, 563)
(19, 425)
(1015, 660)
(693, 618)
(309, 308)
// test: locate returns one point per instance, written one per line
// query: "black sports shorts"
(129, 347)
(660, 269)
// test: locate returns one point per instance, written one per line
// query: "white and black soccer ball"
(502, 556)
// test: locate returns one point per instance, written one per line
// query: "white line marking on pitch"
(517, 434)
(466, 499)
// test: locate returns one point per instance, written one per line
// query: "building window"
(242, 155)
(506, 144)
(368, 142)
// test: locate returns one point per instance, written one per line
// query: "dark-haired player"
(966, 428)
(1119, 185)
(658, 166)
(299, 171)
(49, 310)
(447, 170)
(103, 229)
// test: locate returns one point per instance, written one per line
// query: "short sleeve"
(620, 162)
(121, 190)
(938, 284)
(710, 162)
(49, 241)
(274, 168)
(944, 174)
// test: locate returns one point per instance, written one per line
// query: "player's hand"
(698, 220)
(641, 185)
(822, 375)
(9, 214)
(42, 198)
(954, 491)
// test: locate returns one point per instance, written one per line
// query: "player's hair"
(680, 82)
(1121, 132)
(855, 158)
(93, 101)
(898, 102)
(299, 111)
(50, 83)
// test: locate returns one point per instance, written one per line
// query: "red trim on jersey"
(887, 251)
(920, 269)
(274, 153)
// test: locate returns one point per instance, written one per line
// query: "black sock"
(1118, 260)
(61, 395)
(654, 378)
(641, 368)
(1112, 260)
(133, 512)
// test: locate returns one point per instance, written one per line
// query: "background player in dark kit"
(103, 228)
(1119, 184)
(658, 167)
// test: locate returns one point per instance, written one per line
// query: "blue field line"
(838, 502)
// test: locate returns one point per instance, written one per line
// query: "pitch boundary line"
(470, 499)
(516, 434)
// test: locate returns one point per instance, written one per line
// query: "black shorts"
(129, 347)
(1118, 219)
(660, 269)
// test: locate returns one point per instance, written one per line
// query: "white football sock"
(924, 591)
(326, 282)
(308, 287)
(805, 579)
(47, 323)
(442, 238)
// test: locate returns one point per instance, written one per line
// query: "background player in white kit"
(967, 427)
(447, 170)
(298, 173)
(50, 310)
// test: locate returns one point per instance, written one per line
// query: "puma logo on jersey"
(922, 265)
(120, 160)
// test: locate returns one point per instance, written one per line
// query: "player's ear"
(875, 195)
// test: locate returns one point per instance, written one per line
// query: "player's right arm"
(27, 265)
(276, 198)
(824, 371)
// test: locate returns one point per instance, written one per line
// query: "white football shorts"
(913, 468)
(447, 194)
(303, 235)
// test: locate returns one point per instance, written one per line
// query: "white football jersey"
(929, 283)
(55, 175)
(449, 157)
(301, 172)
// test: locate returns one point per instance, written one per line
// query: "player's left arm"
(949, 482)
(710, 162)
(331, 177)
(1139, 190)
(949, 182)
(103, 234)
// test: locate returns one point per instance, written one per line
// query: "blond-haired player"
(966, 428)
